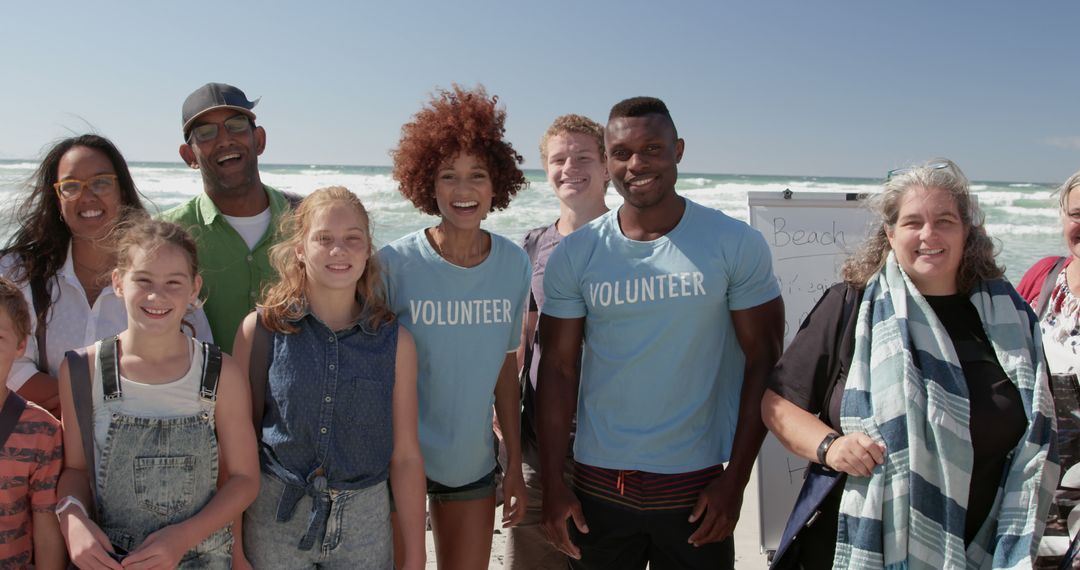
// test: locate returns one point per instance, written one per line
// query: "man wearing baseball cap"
(234, 220)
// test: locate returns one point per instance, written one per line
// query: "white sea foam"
(1000, 231)
(1020, 215)
(1041, 215)
(999, 198)
(28, 166)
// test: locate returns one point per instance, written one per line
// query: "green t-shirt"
(233, 275)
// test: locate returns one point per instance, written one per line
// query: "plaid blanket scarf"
(906, 389)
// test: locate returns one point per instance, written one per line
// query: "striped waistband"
(642, 490)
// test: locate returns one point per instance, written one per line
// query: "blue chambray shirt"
(329, 405)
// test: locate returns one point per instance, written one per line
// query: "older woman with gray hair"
(1052, 286)
(918, 389)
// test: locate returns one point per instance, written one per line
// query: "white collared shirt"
(72, 322)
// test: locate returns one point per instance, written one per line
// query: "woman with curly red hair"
(460, 291)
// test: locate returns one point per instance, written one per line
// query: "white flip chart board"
(809, 234)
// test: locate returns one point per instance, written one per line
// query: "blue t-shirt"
(465, 321)
(661, 366)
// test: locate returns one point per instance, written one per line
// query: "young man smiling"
(684, 321)
(234, 222)
(572, 152)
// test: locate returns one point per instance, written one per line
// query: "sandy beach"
(747, 549)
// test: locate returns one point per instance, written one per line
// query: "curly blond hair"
(573, 124)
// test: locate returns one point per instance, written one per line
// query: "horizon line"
(681, 173)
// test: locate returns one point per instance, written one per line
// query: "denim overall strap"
(211, 371)
(155, 472)
(110, 368)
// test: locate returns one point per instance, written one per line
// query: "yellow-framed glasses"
(71, 188)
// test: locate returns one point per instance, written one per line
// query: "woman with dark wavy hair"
(460, 291)
(919, 391)
(61, 255)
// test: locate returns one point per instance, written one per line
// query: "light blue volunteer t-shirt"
(661, 367)
(465, 321)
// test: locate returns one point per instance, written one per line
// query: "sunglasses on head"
(209, 131)
(900, 171)
(71, 188)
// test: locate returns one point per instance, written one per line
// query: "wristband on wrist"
(68, 502)
(823, 447)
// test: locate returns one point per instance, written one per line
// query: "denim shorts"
(482, 488)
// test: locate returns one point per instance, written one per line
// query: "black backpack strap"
(211, 371)
(531, 245)
(9, 415)
(79, 374)
(259, 368)
(39, 294)
(109, 357)
(1047, 286)
(1071, 553)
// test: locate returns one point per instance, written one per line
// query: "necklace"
(477, 250)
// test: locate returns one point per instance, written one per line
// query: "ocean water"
(1022, 217)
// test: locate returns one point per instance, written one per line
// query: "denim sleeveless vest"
(155, 472)
(328, 425)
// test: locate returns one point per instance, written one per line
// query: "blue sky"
(838, 88)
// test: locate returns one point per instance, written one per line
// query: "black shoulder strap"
(531, 245)
(109, 356)
(79, 374)
(1070, 554)
(843, 360)
(211, 371)
(259, 368)
(9, 415)
(1048, 285)
(39, 294)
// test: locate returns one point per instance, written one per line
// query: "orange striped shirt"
(30, 463)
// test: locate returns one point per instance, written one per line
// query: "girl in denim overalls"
(340, 402)
(175, 457)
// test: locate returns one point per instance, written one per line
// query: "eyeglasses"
(209, 131)
(71, 188)
(932, 166)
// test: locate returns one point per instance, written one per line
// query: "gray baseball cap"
(215, 96)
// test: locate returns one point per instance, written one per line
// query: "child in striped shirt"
(31, 459)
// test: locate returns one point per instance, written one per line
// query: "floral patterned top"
(1060, 327)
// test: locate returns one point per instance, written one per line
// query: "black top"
(998, 420)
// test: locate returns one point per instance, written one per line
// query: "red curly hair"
(453, 122)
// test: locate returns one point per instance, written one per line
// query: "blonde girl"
(339, 417)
